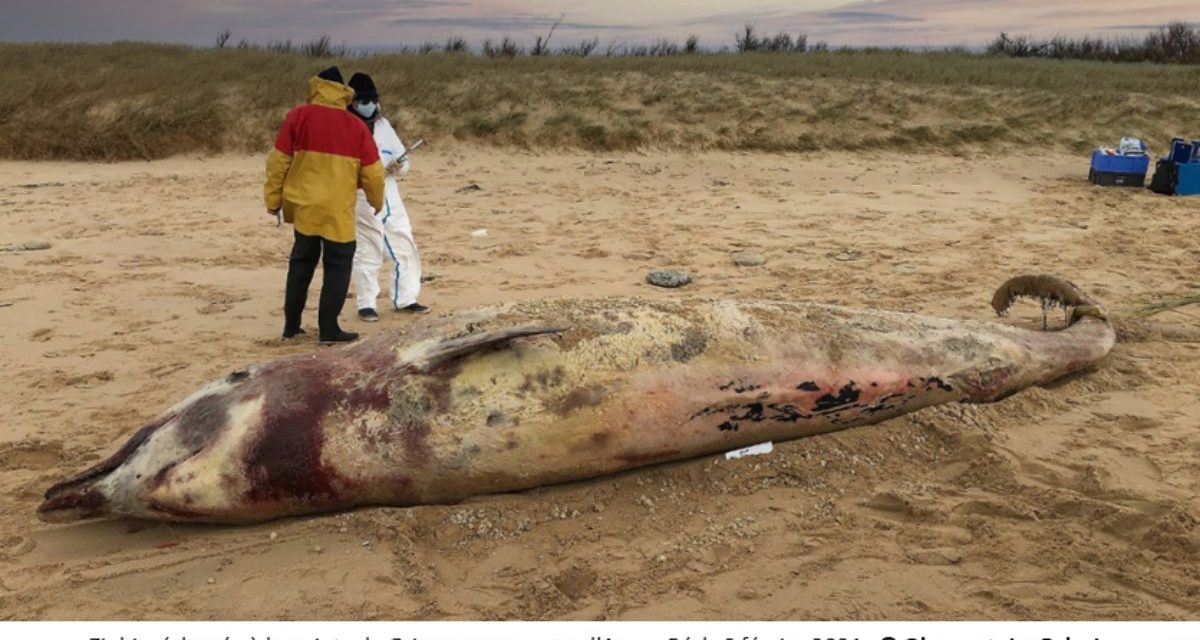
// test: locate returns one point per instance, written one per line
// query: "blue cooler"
(1188, 181)
(1118, 171)
(1182, 151)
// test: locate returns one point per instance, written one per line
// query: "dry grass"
(133, 100)
(1165, 305)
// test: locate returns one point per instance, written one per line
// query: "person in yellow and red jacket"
(322, 155)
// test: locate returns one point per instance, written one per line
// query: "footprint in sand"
(14, 547)
(934, 557)
(59, 379)
(897, 506)
(214, 308)
(593, 252)
(32, 455)
(992, 509)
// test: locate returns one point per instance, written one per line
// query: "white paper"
(755, 450)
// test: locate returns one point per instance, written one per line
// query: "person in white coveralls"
(388, 235)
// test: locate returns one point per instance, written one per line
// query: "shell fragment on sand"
(746, 259)
(32, 245)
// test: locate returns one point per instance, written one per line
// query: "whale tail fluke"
(1051, 291)
(1045, 355)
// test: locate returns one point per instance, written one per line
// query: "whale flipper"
(430, 354)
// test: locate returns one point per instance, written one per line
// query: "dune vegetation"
(140, 101)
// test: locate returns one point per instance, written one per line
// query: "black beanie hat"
(364, 87)
(332, 73)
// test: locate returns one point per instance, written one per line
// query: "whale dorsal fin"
(428, 354)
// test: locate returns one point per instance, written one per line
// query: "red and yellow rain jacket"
(322, 155)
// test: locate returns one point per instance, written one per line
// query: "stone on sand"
(747, 259)
(667, 278)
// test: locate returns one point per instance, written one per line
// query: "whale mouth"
(72, 504)
(78, 497)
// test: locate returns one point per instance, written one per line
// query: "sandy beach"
(1078, 501)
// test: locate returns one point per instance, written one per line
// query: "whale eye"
(238, 376)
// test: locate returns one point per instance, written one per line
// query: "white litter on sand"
(755, 450)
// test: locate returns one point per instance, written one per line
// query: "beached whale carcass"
(528, 394)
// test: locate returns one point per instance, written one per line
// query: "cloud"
(518, 23)
(933, 22)
(868, 17)
(728, 19)
(1141, 27)
(429, 4)
(384, 6)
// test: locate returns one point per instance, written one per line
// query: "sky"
(394, 23)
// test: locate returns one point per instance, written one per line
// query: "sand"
(1079, 500)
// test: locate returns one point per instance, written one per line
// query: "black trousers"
(339, 260)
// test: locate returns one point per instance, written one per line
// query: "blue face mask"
(366, 109)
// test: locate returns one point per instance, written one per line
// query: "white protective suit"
(388, 235)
